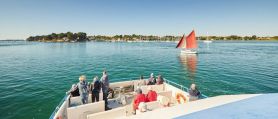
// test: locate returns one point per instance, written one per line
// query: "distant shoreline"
(153, 41)
(82, 37)
(13, 40)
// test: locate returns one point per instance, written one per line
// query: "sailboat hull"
(207, 41)
(187, 51)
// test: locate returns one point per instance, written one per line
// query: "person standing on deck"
(83, 89)
(95, 88)
(105, 87)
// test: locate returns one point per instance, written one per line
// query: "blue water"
(35, 76)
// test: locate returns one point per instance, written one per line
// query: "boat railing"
(182, 87)
(179, 86)
(58, 107)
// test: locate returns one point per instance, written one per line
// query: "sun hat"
(151, 74)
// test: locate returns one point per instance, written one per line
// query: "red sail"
(182, 43)
(191, 42)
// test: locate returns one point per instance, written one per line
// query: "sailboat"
(188, 44)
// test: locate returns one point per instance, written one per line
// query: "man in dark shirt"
(95, 88)
(193, 93)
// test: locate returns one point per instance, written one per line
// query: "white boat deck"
(225, 106)
(255, 106)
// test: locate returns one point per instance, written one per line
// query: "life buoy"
(59, 117)
(180, 98)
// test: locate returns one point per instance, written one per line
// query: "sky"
(20, 19)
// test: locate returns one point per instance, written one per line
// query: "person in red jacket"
(138, 99)
(152, 95)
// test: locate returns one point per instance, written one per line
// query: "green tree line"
(60, 37)
(80, 37)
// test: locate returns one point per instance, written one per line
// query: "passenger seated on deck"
(151, 96)
(138, 99)
(74, 91)
(95, 88)
(193, 93)
(159, 80)
(152, 80)
(83, 89)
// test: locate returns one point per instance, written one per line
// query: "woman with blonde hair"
(83, 89)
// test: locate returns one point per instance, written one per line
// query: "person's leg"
(105, 99)
(93, 97)
(134, 109)
(97, 96)
(82, 99)
(86, 99)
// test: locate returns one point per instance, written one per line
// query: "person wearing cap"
(95, 88)
(83, 89)
(193, 93)
(159, 80)
(152, 80)
(151, 96)
(105, 88)
(140, 97)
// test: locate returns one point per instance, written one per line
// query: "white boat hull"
(189, 51)
(207, 41)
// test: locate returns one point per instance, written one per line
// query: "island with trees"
(82, 37)
(60, 37)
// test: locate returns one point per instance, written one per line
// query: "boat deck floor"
(258, 107)
(225, 106)
(116, 102)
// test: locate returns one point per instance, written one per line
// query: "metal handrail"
(169, 82)
(183, 87)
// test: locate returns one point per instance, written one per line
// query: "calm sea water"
(35, 76)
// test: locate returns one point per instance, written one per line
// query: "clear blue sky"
(22, 18)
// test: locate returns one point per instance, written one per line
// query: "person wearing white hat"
(152, 80)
